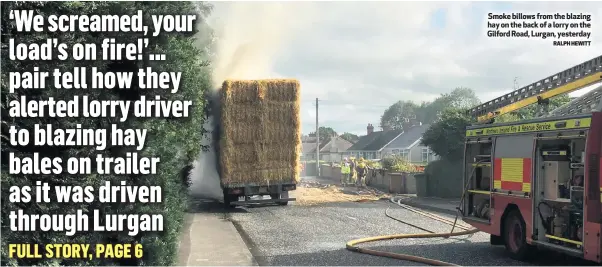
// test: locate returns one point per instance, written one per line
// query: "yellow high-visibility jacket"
(345, 169)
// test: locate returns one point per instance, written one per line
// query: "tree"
(459, 98)
(398, 114)
(402, 112)
(325, 133)
(350, 137)
(446, 136)
(176, 141)
(530, 111)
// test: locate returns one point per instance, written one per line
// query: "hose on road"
(352, 245)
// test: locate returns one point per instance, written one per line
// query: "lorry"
(258, 140)
(537, 183)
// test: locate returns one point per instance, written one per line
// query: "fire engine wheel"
(515, 235)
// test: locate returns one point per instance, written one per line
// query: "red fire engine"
(538, 182)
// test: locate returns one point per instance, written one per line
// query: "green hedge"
(444, 178)
(176, 141)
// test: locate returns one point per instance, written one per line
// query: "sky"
(358, 58)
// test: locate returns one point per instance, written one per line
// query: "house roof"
(375, 141)
(409, 137)
(306, 138)
(336, 143)
(308, 147)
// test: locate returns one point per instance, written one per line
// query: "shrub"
(398, 164)
(176, 141)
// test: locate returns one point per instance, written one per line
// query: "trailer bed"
(242, 194)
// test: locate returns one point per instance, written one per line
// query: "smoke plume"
(249, 38)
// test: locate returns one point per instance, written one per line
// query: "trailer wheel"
(515, 236)
(283, 195)
(228, 200)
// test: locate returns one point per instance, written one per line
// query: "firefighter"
(352, 168)
(345, 172)
(361, 172)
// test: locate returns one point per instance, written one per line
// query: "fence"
(441, 179)
(396, 183)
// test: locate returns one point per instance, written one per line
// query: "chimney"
(370, 128)
(409, 123)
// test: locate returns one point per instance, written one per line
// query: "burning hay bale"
(260, 137)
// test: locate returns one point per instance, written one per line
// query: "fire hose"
(352, 245)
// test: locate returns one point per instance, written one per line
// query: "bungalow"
(380, 144)
(308, 145)
(332, 150)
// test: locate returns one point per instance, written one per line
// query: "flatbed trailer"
(243, 193)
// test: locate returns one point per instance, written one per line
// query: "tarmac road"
(316, 235)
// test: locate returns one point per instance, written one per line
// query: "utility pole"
(317, 142)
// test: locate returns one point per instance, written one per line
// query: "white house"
(409, 146)
(380, 144)
(331, 150)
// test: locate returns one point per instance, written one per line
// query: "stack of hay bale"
(260, 137)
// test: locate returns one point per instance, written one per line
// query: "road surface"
(316, 235)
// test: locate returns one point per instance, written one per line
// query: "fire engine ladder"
(540, 92)
(589, 102)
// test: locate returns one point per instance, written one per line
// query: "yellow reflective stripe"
(512, 170)
(532, 127)
(526, 187)
(565, 240)
(479, 192)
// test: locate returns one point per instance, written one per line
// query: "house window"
(405, 153)
(395, 151)
(427, 154)
(361, 155)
